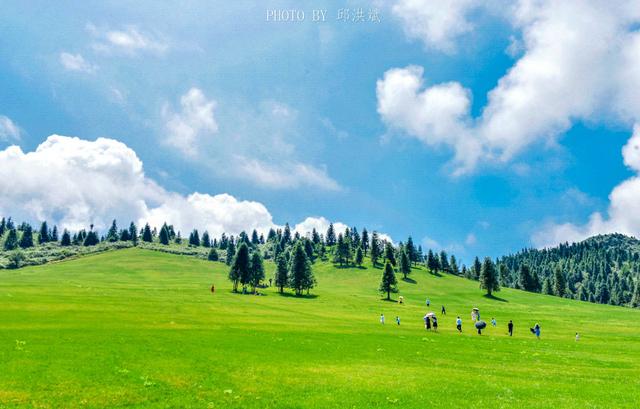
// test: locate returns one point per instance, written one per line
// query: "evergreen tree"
(206, 240)
(547, 288)
(257, 270)
(241, 267)
(359, 256)
(43, 237)
(559, 283)
(388, 282)
(525, 281)
(635, 299)
(282, 273)
(444, 262)
(26, 240)
(16, 259)
(330, 238)
(342, 250)
(66, 238)
(411, 250)
(178, 239)
(300, 273)
(91, 239)
(124, 235)
(133, 233)
(405, 263)
(315, 237)
(54, 234)
(146, 234)
(503, 275)
(453, 264)
(112, 234)
(432, 262)
(489, 276)
(194, 238)
(3, 227)
(11, 242)
(164, 235)
(213, 255)
(286, 234)
(476, 268)
(389, 254)
(375, 248)
(602, 293)
(231, 251)
(365, 241)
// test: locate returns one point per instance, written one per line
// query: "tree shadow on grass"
(303, 296)
(391, 300)
(409, 280)
(493, 297)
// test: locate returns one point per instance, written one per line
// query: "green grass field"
(136, 328)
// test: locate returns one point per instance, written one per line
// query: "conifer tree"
(559, 283)
(477, 267)
(389, 253)
(91, 239)
(444, 262)
(146, 234)
(453, 263)
(330, 238)
(432, 262)
(3, 227)
(240, 268)
(255, 240)
(405, 263)
(546, 286)
(257, 270)
(286, 234)
(11, 243)
(282, 273)
(300, 273)
(231, 252)
(635, 298)
(359, 256)
(365, 241)
(133, 234)
(164, 235)
(411, 250)
(66, 238)
(26, 240)
(112, 234)
(213, 254)
(194, 238)
(525, 281)
(43, 237)
(375, 248)
(489, 276)
(206, 240)
(388, 284)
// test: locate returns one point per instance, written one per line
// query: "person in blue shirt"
(459, 324)
(397, 320)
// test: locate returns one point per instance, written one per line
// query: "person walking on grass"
(459, 324)
(428, 302)
(510, 327)
(536, 330)
(443, 312)
(397, 320)
(494, 322)
(435, 324)
(427, 323)
(382, 319)
(577, 337)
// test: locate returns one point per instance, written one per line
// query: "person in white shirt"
(382, 319)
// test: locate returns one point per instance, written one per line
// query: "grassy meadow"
(136, 328)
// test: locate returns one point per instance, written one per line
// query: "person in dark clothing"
(510, 326)
(444, 312)
(435, 324)
(428, 322)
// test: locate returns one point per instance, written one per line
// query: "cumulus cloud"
(129, 40)
(436, 23)
(8, 129)
(76, 62)
(286, 175)
(321, 225)
(579, 62)
(75, 182)
(623, 213)
(195, 120)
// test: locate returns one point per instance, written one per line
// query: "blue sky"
(288, 114)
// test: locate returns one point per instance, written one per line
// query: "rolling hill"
(136, 328)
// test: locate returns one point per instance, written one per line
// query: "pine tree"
(282, 273)
(453, 265)
(503, 275)
(375, 248)
(444, 262)
(3, 227)
(178, 239)
(257, 270)
(489, 276)
(389, 254)
(91, 238)
(66, 238)
(300, 273)
(241, 267)
(54, 234)
(112, 234)
(635, 299)
(342, 250)
(286, 234)
(405, 263)
(11, 243)
(330, 238)
(213, 255)
(365, 241)
(546, 286)
(411, 250)
(194, 238)
(477, 267)
(133, 234)
(359, 256)
(231, 251)
(146, 234)
(26, 240)
(43, 237)
(388, 284)
(525, 281)
(559, 283)
(164, 235)
(432, 262)
(206, 240)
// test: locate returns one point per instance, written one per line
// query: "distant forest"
(603, 269)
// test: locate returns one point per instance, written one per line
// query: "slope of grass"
(136, 328)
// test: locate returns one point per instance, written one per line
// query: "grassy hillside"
(136, 328)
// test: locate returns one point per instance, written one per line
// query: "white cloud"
(320, 224)
(8, 129)
(129, 40)
(75, 182)
(195, 120)
(471, 239)
(436, 23)
(623, 213)
(76, 62)
(285, 175)
(579, 63)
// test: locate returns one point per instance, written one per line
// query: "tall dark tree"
(559, 283)
(489, 276)
(43, 237)
(213, 255)
(476, 268)
(241, 267)
(405, 263)
(257, 270)
(66, 238)
(54, 234)
(3, 227)
(330, 237)
(453, 264)
(11, 242)
(375, 248)
(444, 262)
(206, 240)
(411, 250)
(635, 298)
(388, 284)
(26, 240)
(342, 250)
(133, 233)
(91, 239)
(164, 235)
(365, 241)
(525, 280)
(300, 273)
(286, 234)
(194, 238)
(359, 256)
(547, 287)
(282, 273)
(503, 275)
(112, 234)
(255, 240)
(146, 234)
(315, 237)
(389, 254)
(432, 262)
(231, 251)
